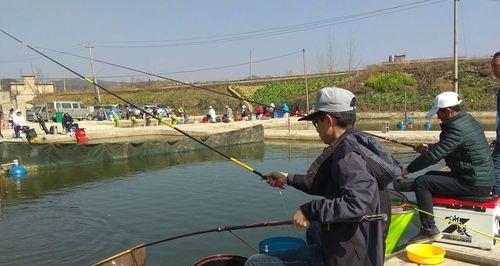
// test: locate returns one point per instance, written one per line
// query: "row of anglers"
(277, 110)
(17, 121)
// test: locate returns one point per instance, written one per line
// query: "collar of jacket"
(453, 120)
(327, 152)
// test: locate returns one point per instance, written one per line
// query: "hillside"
(426, 79)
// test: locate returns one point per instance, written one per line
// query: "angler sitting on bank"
(67, 122)
(463, 146)
(19, 123)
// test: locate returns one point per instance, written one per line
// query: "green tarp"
(47, 155)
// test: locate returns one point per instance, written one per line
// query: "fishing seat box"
(479, 213)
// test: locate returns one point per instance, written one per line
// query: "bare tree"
(326, 60)
(352, 52)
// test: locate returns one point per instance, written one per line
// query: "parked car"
(30, 114)
(77, 110)
(107, 108)
(149, 108)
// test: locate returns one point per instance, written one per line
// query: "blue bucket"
(280, 244)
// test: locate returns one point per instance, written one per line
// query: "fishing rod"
(247, 167)
(206, 89)
(174, 80)
(366, 218)
(394, 141)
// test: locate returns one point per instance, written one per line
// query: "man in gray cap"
(351, 176)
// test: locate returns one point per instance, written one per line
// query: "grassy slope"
(477, 88)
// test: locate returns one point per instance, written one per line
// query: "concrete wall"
(29, 86)
(5, 102)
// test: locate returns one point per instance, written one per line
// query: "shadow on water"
(37, 184)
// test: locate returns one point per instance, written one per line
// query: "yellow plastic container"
(425, 253)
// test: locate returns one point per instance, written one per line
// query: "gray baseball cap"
(332, 100)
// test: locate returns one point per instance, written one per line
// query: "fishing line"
(243, 241)
(442, 218)
(173, 72)
(247, 167)
(200, 87)
(367, 218)
(166, 78)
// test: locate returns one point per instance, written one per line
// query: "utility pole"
(305, 79)
(305, 82)
(96, 89)
(64, 84)
(250, 62)
(455, 48)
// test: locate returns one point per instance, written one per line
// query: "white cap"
(443, 100)
(210, 107)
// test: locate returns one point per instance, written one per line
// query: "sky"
(161, 36)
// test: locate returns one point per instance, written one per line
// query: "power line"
(272, 31)
(174, 72)
(72, 48)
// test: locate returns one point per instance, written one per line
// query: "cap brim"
(309, 117)
(431, 113)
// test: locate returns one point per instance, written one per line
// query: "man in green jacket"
(463, 146)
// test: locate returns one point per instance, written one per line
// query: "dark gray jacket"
(350, 189)
(464, 147)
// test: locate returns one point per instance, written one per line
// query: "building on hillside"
(29, 86)
(19, 93)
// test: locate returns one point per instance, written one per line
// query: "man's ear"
(330, 120)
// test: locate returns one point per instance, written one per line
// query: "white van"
(77, 110)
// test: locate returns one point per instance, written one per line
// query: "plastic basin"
(425, 253)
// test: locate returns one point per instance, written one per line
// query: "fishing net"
(133, 257)
(49, 155)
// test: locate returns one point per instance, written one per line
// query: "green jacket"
(464, 147)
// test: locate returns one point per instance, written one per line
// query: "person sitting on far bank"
(495, 67)
(67, 122)
(211, 114)
(463, 146)
(349, 187)
(11, 115)
(260, 111)
(244, 112)
(272, 109)
(229, 113)
(286, 110)
(19, 122)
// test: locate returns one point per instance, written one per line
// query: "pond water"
(79, 215)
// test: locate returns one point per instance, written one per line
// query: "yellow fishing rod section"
(92, 82)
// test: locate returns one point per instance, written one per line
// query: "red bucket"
(81, 137)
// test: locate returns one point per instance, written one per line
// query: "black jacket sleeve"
(358, 189)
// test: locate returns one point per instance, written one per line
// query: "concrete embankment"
(283, 129)
(402, 136)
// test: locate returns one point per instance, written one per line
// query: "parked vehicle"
(77, 110)
(107, 108)
(30, 114)
(149, 108)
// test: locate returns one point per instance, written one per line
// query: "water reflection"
(51, 180)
